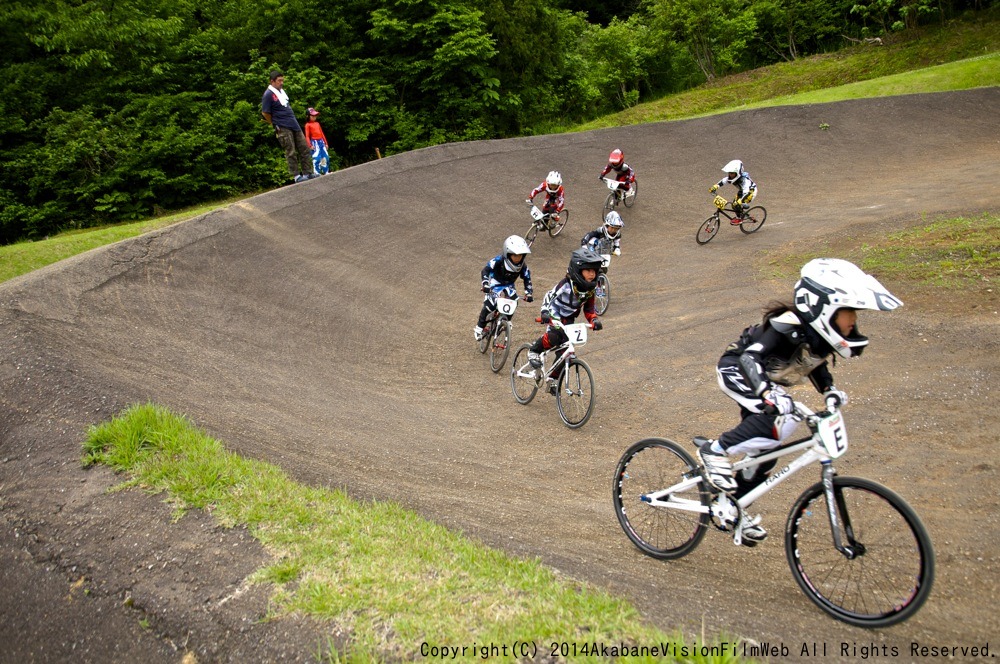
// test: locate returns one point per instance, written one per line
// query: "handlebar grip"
(770, 409)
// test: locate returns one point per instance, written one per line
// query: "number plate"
(577, 333)
(505, 306)
(536, 214)
(833, 435)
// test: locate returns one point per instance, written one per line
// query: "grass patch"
(376, 571)
(959, 253)
(906, 64)
(23, 257)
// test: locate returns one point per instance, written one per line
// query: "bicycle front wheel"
(609, 204)
(602, 294)
(662, 532)
(753, 219)
(523, 378)
(532, 233)
(575, 395)
(630, 195)
(500, 347)
(889, 573)
(707, 230)
(555, 227)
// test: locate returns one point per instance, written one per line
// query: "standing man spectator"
(278, 112)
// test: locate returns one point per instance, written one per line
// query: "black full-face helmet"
(582, 259)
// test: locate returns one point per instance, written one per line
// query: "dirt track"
(326, 327)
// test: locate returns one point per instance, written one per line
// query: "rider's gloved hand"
(546, 318)
(600, 177)
(780, 401)
(834, 393)
(597, 324)
(617, 252)
(529, 297)
(528, 201)
(714, 189)
(486, 287)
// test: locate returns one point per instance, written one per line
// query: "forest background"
(120, 109)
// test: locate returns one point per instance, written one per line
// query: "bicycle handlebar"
(832, 406)
(555, 322)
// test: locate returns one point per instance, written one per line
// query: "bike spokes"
(575, 396)
(885, 570)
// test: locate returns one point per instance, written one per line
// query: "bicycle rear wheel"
(753, 219)
(555, 228)
(500, 346)
(707, 230)
(523, 378)
(630, 195)
(532, 233)
(665, 533)
(891, 572)
(602, 295)
(575, 394)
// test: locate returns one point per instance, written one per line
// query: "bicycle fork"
(836, 508)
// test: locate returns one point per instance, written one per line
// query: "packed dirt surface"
(327, 327)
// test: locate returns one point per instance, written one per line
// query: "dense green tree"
(116, 108)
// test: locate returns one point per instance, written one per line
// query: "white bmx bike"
(856, 549)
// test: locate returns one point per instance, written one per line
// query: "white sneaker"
(752, 530)
(718, 468)
(478, 333)
(301, 178)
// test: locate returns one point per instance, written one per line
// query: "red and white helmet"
(616, 158)
(553, 181)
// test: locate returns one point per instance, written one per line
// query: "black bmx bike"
(749, 219)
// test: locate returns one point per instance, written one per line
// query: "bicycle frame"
(567, 349)
(819, 446)
(727, 212)
(542, 219)
(564, 351)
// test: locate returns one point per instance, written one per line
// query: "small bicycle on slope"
(748, 219)
(602, 294)
(856, 549)
(552, 222)
(568, 377)
(498, 328)
(618, 195)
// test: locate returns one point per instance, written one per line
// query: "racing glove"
(834, 393)
(779, 399)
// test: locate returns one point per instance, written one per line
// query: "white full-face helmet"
(613, 225)
(829, 284)
(513, 246)
(553, 181)
(733, 169)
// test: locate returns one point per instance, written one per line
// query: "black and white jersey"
(782, 350)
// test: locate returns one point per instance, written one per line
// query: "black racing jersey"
(781, 350)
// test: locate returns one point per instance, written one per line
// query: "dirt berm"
(327, 327)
